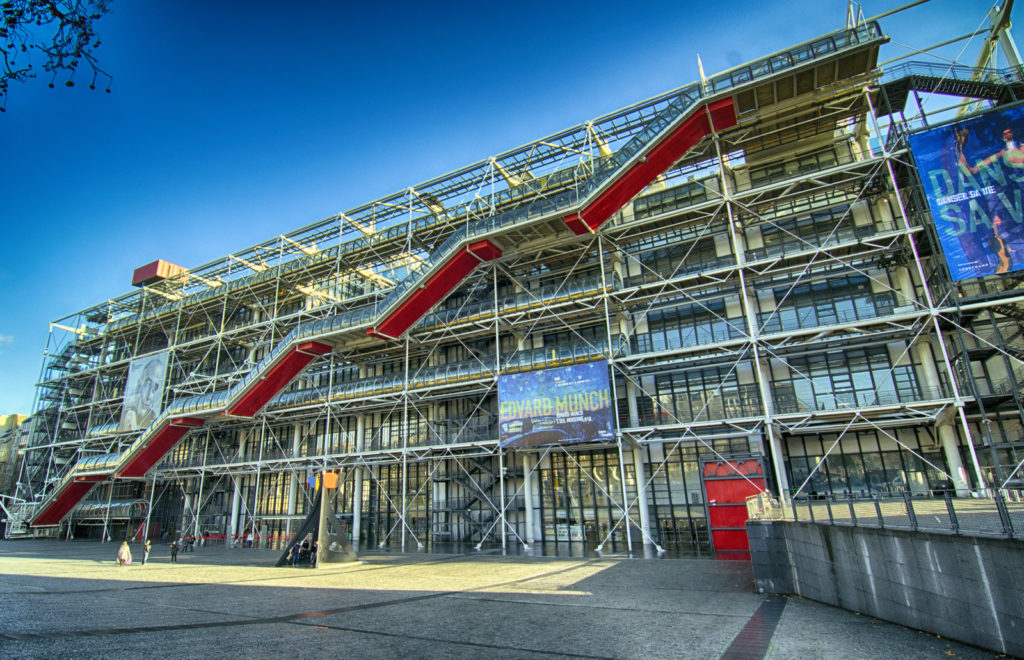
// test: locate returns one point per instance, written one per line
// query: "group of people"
(184, 544)
(124, 553)
(303, 553)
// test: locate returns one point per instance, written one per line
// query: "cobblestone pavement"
(64, 599)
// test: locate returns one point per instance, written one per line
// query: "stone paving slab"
(61, 599)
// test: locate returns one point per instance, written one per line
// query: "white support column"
(236, 505)
(293, 485)
(199, 498)
(236, 500)
(634, 410)
(615, 395)
(528, 463)
(321, 526)
(185, 510)
(951, 451)
(405, 444)
(149, 509)
(106, 517)
(357, 485)
(641, 494)
(198, 506)
(257, 534)
(501, 500)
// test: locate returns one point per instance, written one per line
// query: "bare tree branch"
(59, 31)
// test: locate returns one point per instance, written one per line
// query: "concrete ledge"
(967, 588)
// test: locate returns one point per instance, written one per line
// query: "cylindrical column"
(946, 430)
(293, 486)
(357, 506)
(501, 499)
(357, 495)
(951, 451)
(236, 505)
(149, 510)
(236, 500)
(106, 517)
(641, 498)
(528, 463)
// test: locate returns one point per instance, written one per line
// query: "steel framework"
(752, 255)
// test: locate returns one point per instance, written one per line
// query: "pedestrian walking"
(124, 554)
(174, 552)
(146, 547)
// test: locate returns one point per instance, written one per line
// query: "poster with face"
(143, 395)
(972, 172)
(565, 405)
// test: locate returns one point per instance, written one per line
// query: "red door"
(727, 485)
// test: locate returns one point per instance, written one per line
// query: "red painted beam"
(65, 500)
(279, 375)
(439, 285)
(155, 449)
(484, 250)
(721, 114)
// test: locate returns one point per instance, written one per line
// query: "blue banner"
(973, 176)
(556, 406)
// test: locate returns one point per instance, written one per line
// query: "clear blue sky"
(230, 123)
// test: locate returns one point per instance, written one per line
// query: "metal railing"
(1001, 515)
(949, 71)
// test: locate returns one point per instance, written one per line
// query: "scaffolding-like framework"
(751, 254)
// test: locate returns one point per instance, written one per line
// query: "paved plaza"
(67, 599)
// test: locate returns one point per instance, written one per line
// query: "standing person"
(146, 547)
(248, 539)
(124, 554)
(174, 552)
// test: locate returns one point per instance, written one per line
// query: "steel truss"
(719, 296)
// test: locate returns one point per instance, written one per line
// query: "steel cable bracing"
(208, 404)
(858, 414)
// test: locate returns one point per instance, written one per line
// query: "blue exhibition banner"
(556, 406)
(973, 176)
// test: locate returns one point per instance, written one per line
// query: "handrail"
(738, 76)
(951, 71)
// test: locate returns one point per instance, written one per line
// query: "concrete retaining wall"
(963, 587)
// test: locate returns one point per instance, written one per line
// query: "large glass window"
(581, 502)
(844, 379)
(702, 394)
(675, 259)
(808, 230)
(686, 325)
(864, 463)
(825, 302)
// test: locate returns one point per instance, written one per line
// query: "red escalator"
(702, 121)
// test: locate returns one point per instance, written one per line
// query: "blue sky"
(230, 123)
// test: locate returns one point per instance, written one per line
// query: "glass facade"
(767, 292)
